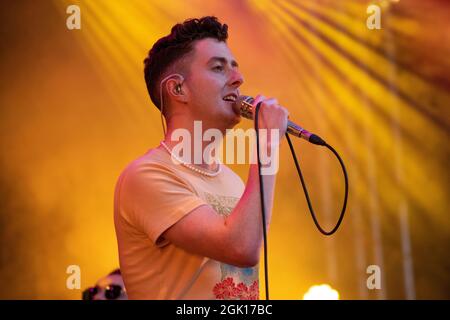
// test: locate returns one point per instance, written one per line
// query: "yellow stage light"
(321, 292)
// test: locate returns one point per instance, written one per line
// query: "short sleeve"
(154, 198)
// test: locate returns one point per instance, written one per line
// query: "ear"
(177, 90)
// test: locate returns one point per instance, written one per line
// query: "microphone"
(245, 104)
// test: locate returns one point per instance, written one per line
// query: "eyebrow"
(224, 61)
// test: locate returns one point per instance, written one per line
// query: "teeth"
(230, 98)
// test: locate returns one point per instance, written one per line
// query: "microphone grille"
(245, 106)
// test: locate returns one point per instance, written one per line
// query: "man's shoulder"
(154, 161)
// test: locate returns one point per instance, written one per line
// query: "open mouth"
(230, 97)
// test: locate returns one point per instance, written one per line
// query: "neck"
(188, 135)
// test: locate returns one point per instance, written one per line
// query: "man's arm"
(237, 239)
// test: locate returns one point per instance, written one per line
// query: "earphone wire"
(163, 123)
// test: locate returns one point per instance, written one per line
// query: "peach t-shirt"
(151, 195)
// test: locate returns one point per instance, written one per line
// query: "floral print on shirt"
(236, 283)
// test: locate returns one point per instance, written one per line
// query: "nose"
(236, 79)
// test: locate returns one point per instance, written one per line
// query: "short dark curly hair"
(169, 50)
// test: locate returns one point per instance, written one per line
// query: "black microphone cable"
(311, 210)
(263, 206)
(316, 140)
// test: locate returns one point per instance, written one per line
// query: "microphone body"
(245, 104)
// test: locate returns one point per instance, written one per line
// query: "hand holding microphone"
(271, 114)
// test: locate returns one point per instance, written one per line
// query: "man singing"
(190, 230)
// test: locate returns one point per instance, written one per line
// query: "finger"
(270, 101)
(259, 98)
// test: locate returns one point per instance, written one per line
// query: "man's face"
(213, 75)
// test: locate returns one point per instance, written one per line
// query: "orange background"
(75, 111)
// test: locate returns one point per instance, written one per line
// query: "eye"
(218, 68)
